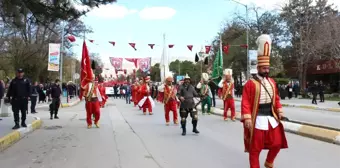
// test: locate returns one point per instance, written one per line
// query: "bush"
(282, 81)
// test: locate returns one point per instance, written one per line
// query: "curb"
(70, 104)
(16, 135)
(322, 134)
(308, 107)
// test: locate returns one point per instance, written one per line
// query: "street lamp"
(247, 26)
(202, 55)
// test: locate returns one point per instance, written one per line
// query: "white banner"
(53, 57)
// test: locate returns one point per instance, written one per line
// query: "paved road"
(128, 139)
(319, 117)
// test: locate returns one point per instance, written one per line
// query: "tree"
(45, 12)
(262, 22)
(309, 32)
(27, 46)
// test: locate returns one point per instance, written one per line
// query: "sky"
(184, 22)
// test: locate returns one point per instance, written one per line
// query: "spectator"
(34, 96)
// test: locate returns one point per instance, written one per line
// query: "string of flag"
(225, 48)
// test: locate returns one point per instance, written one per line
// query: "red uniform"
(104, 96)
(134, 92)
(256, 139)
(170, 103)
(93, 99)
(145, 98)
(228, 98)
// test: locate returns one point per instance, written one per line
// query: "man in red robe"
(261, 111)
(102, 92)
(169, 99)
(146, 101)
(134, 91)
(227, 94)
(93, 100)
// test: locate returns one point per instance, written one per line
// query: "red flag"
(190, 47)
(133, 45)
(151, 45)
(112, 42)
(71, 38)
(244, 45)
(226, 49)
(86, 75)
(171, 45)
(207, 49)
(91, 41)
(125, 71)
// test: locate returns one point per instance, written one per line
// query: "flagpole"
(164, 45)
(221, 55)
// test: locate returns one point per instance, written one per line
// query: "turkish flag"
(190, 47)
(151, 45)
(207, 49)
(171, 45)
(133, 45)
(112, 42)
(86, 75)
(71, 38)
(91, 41)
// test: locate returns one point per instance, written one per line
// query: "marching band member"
(205, 93)
(227, 94)
(186, 95)
(170, 100)
(93, 100)
(261, 111)
(146, 102)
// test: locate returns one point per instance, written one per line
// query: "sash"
(169, 95)
(205, 89)
(228, 91)
(89, 96)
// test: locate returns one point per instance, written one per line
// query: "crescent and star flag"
(112, 42)
(171, 45)
(86, 75)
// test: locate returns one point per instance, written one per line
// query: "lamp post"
(201, 54)
(247, 27)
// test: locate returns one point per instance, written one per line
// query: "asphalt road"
(128, 139)
(318, 117)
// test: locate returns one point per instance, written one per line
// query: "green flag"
(217, 67)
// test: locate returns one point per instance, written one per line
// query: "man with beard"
(170, 100)
(146, 101)
(227, 86)
(186, 95)
(261, 111)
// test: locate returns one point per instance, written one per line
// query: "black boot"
(194, 125)
(184, 129)
(56, 115)
(23, 124)
(16, 126)
(51, 115)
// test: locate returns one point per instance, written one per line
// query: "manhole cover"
(52, 127)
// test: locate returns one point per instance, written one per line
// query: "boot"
(51, 115)
(194, 125)
(23, 124)
(56, 115)
(16, 126)
(184, 130)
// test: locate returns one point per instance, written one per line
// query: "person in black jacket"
(18, 94)
(55, 95)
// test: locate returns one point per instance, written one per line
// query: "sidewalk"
(321, 134)
(9, 136)
(307, 104)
